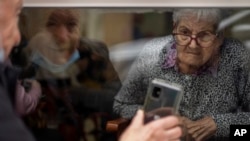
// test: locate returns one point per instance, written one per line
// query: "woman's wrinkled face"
(194, 54)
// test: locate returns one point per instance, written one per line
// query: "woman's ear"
(174, 26)
(221, 36)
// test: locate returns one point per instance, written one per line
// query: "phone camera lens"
(156, 92)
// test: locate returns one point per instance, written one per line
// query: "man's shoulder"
(90, 46)
(92, 43)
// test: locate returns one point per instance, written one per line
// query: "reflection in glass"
(80, 57)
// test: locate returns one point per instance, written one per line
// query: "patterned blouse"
(221, 92)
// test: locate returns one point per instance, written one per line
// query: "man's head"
(63, 24)
(9, 32)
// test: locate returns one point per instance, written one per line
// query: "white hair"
(210, 15)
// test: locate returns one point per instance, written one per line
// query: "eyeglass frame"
(194, 38)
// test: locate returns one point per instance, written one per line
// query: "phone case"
(163, 94)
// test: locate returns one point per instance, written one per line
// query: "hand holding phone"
(158, 113)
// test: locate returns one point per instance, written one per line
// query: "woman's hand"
(163, 129)
(199, 130)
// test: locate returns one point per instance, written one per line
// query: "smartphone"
(162, 99)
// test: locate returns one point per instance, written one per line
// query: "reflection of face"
(64, 28)
(9, 12)
(46, 45)
(193, 54)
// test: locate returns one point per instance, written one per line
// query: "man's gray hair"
(210, 15)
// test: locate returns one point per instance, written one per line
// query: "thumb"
(138, 119)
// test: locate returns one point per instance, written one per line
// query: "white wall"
(136, 3)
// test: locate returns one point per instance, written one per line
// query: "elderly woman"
(212, 70)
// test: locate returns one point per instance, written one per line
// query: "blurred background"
(125, 31)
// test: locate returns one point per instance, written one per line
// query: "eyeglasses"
(203, 39)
